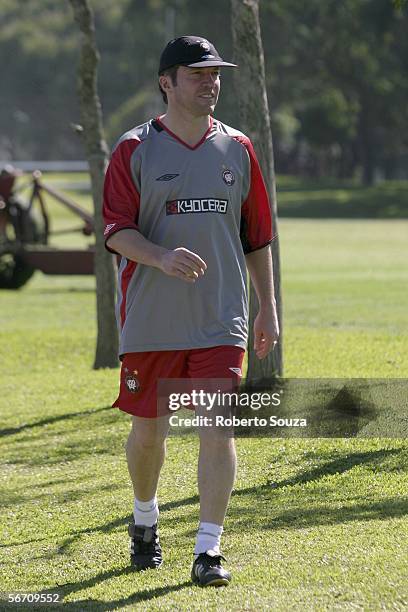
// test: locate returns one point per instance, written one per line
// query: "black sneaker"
(207, 571)
(145, 550)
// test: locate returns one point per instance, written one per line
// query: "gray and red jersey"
(210, 199)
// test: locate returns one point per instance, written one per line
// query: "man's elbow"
(109, 242)
(114, 244)
(258, 252)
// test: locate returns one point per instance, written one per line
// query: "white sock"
(146, 513)
(208, 538)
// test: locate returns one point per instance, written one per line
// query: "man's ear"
(164, 81)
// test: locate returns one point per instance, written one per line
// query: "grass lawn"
(345, 297)
(313, 524)
(329, 198)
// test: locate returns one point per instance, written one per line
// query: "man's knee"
(148, 433)
(215, 440)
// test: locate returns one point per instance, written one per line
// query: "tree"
(335, 77)
(255, 121)
(97, 155)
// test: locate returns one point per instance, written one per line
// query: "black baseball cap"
(192, 51)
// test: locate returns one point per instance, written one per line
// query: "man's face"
(196, 91)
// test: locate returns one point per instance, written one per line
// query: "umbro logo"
(108, 228)
(167, 177)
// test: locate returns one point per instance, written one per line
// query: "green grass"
(344, 297)
(297, 198)
(329, 198)
(313, 524)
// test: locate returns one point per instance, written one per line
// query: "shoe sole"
(215, 582)
(141, 568)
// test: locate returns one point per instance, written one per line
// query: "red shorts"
(141, 371)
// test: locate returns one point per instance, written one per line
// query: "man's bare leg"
(216, 474)
(145, 453)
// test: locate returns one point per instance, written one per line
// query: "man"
(186, 207)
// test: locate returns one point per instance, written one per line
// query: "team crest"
(205, 46)
(228, 177)
(131, 382)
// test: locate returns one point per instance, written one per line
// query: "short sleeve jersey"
(210, 199)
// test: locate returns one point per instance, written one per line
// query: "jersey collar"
(161, 126)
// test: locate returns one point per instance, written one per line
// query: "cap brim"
(209, 63)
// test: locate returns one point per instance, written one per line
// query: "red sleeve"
(256, 218)
(121, 200)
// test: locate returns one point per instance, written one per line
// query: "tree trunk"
(106, 355)
(366, 144)
(255, 122)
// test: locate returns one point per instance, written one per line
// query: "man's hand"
(180, 262)
(266, 331)
(183, 264)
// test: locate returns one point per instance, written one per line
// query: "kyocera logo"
(180, 207)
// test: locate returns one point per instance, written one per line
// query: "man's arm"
(121, 202)
(180, 262)
(266, 326)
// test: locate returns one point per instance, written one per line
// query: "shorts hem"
(134, 412)
(242, 344)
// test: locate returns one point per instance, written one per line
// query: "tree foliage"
(336, 76)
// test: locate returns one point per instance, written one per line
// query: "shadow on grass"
(187, 501)
(339, 465)
(123, 521)
(119, 522)
(60, 498)
(336, 466)
(299, 518)
(145, 595)
(76, 439)
(102, 606)
(139, 597)
(55, 419)
(76, 535)
(290, 518)
(391, 507)
(106, 528)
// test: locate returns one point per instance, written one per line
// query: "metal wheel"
(18, 227)
(14, 271)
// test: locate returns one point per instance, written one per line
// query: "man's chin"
(207, 109)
